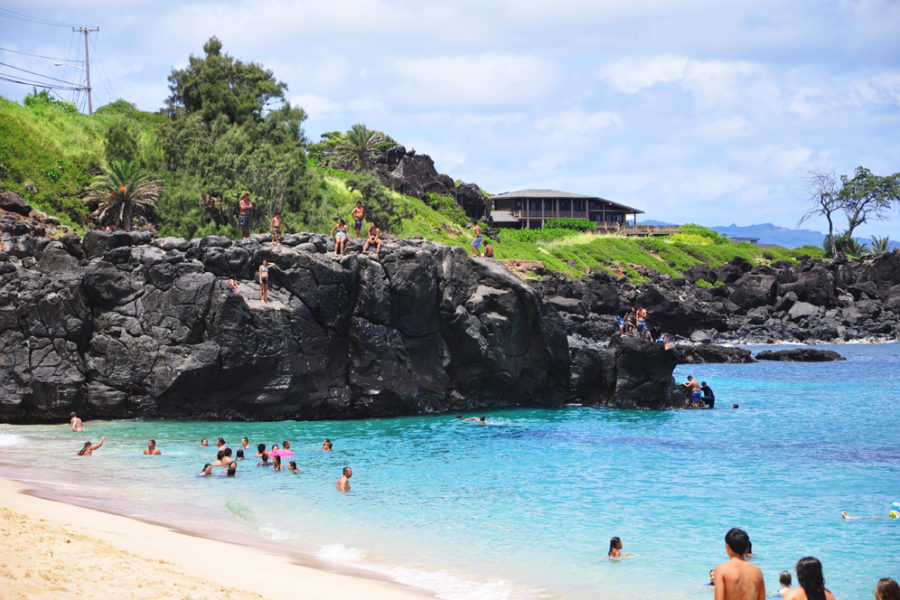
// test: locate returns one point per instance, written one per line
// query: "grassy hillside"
(49, 154)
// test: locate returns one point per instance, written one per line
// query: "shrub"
(536, 235)
(576, 224)
(700, 231)
(702, 283)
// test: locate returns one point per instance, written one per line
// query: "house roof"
(550, 194)
(503, 216)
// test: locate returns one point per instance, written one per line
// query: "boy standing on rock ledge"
(476, 243)
(246, 209)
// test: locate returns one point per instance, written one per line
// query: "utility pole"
(87, 63)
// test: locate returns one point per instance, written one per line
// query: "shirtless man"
(359, 214)
(738, 579)
(246, 210)
(275, 228)
(327, 445)
(693, 387)
(75, 422)
(641, 315)
(343, 482)
(374, 239)
(151, 448)
(476, 243)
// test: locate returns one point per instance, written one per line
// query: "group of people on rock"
(340, 231)
(633, 322)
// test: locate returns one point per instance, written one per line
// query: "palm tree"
(880, 244)
(359, 147)
(124, 191)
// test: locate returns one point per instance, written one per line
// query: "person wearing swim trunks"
(88, 448)
(358, 214)
(151, 448)
(692, 386)
(339, 235)
(75, 422)
(621, 316)
(642, 322)
(275, 228)
(374, 239)
(476, 243)
(264, 282)
(246, 209)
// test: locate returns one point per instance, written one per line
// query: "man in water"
(481, 420)
(151, 448)
(738, 579)
(359, 215)
(708, 396)
(692, 387)
(343, 482)
(75, 422)
(326, 445)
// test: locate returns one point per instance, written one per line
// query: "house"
(530, 209)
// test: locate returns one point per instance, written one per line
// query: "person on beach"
(275, 228)
(784, 580)
(75, 422)
(615, 548)
(204, 443)
(292, 467)
(245, 443)
(488, 250)
(343, 482)
(88, 448)
(232, 470)
(692, 387)
(359, 214)
(374, 239)
(264, 282)
(811, 581)
(276, 463)
(246, 210)
(339, 235)
(887, 589)
(326, 445)
(709, 398)
(738, 579)
(207, 470)
(476, 243)
(151, 448)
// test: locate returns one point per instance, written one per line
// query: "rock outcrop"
(800, 355)
(712, 353)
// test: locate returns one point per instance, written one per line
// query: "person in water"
(712, 579)
(260, 450)
(245, 443)
(264, 282)
(709, 398)
(738, 579)
(285, 445)
(343, 482)
(784, 580)
(482, 420)
(327, 445)
(292, 467)
(240, 454)
(204, 443)
(276, 463)
(264, 457)
(207, 470)
(339, 235)
(692, 387)
(615, 548)
(811, 581)
(87, 449)
(151, 448)
(220, 443)
(887, 589)
(232, 470)
(75, 422)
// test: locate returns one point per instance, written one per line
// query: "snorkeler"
(88, 448)
(615, 548)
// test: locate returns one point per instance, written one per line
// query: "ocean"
(523, 507)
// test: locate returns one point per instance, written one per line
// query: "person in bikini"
(275, 228)
(359, 214)
(264, 282)
(374, 239)
(339, 235)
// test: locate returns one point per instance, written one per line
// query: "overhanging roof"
(556, 194)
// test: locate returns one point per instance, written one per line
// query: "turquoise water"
(524, 507)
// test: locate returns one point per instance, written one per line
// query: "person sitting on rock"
(339, 235)
(709, 398)
(488, 250)
(374, 239)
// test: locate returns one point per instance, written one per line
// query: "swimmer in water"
(220, 443)
(204, 443)
(240, 454)
(615, 548)
(265, 460)
(811, 580)
(207, 470)
(75, 422)
(343, 482)
(887, 589)
(292, 467)
(784, 579)
(88, 448)
(482, 420)
(232, 470)
(276, 463)
(151, 448)
(712, 579)
(260, 450)
(286, 445)
(245, 443)
(326, 445)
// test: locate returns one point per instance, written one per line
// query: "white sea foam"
(10, 439)
(342, 553)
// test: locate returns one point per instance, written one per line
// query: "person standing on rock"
(476, 243)
(359, 214)
(246, 209)
(75, 422)
(275, 228)
(643, 332)
(264, 282)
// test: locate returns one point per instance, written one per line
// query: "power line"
(29, 19)
(38, 74)
(46, 86)
(38, 55)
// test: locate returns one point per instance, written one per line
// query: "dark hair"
(220, 454)
(152, 442)
(277, 460)
(227, 451)
(784, 578)
(220, 442)
(260, 448)
(245, 439)
(737, 540)
(84, 448)
(240, 453)
(613, 544)
(341, 221)
(285, 444)
(265, 457)
(71, 414)
(702, 384)
(887, 589)
(206, 466)
(232, 470)
(204, 440)
(292, 464)
(345, 470)
(810, 578)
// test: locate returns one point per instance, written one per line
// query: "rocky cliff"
(124, 324)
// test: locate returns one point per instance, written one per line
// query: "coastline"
(60, 550)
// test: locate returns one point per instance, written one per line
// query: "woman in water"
(204, 443)
(88, 448)
(887, 589)
(240, 454)
(292, 467)
(811, 580)
(276, 463)
(615, 548)
(232, 470)
(207, 470)
(339, 235)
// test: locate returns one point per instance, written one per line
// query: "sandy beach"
(54, 550)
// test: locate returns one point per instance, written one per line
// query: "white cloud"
(633, 75)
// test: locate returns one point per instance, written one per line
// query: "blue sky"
(710, 112)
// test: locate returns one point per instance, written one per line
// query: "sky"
(709, 112)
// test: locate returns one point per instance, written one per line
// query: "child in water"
(292, 467)
(615, 548)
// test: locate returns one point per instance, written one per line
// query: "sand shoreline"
(57, 550)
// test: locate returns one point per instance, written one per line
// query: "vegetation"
(124, 191)
(576, 224)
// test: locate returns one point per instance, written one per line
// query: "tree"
(124, 191)
(823, 189)
(120, 142)
(381, 207)
(867, 196)
(880, 244)
(359, 147)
